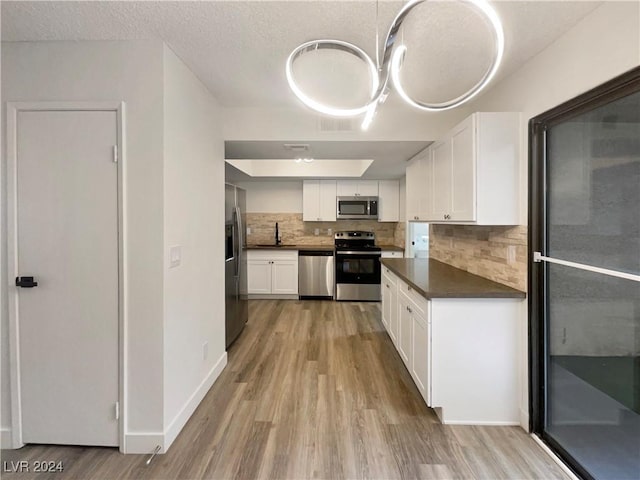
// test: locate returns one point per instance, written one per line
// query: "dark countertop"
(391, 248)
(433, 279)
(290, 247)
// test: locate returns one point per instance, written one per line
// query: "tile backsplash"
(294, 231)
(498, 253)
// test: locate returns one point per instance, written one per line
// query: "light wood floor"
(313, 390)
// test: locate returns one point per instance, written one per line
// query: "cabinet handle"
(409, 310)
(408, 288)
(387, 285)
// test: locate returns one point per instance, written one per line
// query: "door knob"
(25, 282)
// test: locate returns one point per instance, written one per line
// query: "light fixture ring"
(398, 53)
(337, 45)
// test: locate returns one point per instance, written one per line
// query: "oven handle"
(355, 252)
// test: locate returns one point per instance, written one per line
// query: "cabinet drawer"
(390, 274)
(392, 254)
(418, 300)
(388, 280)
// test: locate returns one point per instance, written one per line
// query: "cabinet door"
(327, 201)
(463, 174)
(259, 276)
(441, 180)
(405, 319)
(284, 277)
(386, 302)
(426, 190)
(346, 188)
(311, 201)
(414, 185)
(388, 200)
(393, 313)
(421, 354)
(367, 188)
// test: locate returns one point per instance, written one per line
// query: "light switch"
(248, 230)
(175, 256)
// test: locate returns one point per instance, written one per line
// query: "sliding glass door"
(585, 280)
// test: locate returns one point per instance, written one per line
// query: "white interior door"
(67, 239)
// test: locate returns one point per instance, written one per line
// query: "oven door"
(358, 275)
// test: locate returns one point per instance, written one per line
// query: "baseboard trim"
(554, 457)
(524, 420)
(6, 440)
(192, 403)
(484, 424)
(142, 442)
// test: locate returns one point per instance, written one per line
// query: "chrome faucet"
(278, 240)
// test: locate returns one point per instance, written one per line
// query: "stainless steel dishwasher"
(316, 273)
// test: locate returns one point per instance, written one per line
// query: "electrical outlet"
(316, 231)
(248, 230)
(511, 254)
(329, 231)
(205, 350)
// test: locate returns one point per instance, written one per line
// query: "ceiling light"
(391, 66)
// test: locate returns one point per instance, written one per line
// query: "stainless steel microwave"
(357, 208)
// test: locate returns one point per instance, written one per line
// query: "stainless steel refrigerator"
(235, 265)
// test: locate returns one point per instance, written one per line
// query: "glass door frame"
(612, 90)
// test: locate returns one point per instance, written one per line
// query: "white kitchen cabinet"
(259, 276)
(319, 200)
(405, 314)
(421, 353)
(357, 188)
(272, 273)
(419, 192)
(461, 352)
(472, 175)
(284, 277)
(388, 200)
(390, 304)
(391, 254)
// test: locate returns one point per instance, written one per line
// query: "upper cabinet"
(471, 176)
(319, 201)
(419, 194)
(357, 188)
(388, 200)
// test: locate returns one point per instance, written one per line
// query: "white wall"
(605, 44)
(392, 123)
(193, 218)
(273, 196)
(129, 71)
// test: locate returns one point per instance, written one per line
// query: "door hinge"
(117, 410)
(115, 154)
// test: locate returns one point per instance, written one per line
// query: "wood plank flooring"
(313, 389)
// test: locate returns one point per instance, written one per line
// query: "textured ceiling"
(238, 48)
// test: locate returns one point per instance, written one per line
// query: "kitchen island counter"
(434, 279)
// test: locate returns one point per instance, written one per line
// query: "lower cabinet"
(461, 352)
(390, 304)
(272, 273)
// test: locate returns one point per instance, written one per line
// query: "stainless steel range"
(357, 266)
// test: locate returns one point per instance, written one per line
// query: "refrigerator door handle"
(240, 240)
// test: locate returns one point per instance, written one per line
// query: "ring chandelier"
(391, 66)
